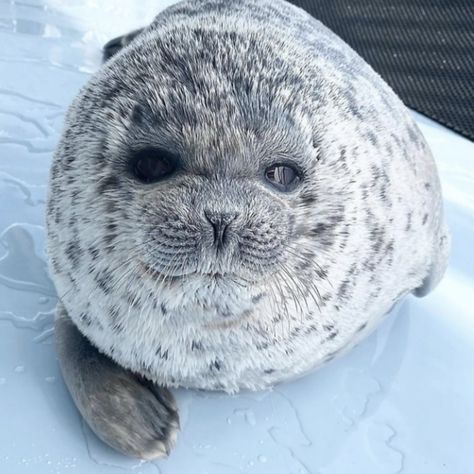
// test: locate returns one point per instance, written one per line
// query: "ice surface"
(401, 402)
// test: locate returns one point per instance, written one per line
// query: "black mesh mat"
(423, 48)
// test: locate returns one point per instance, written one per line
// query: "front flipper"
(113, 46)
(129, 413)
(438, 264)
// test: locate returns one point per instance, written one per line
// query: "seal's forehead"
(207, 140)
(212, 101)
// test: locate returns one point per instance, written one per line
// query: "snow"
(401, 402)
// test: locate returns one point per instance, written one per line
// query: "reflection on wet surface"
(399, 402)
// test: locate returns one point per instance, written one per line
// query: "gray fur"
(233, 87)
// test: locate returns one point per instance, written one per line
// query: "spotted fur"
(232, 87)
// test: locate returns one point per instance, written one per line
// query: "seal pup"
(236, 198)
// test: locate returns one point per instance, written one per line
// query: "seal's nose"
(220, 222)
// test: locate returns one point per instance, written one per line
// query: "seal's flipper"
(438, 265)
(129, 413)
(115, 45)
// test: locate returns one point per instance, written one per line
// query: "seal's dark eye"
(284, 177)
(151, 165)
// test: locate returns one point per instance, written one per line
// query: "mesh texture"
(423, 49)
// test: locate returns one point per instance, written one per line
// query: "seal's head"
(187, 164)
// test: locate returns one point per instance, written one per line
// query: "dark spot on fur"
(55, 264)
(375, 292)
(308, 199)
(110, 181)
(321, 272)
(408, 226)
(196, 346)
(133, 300)
(215, 366)
(164, 309)
(85, 319)
(377, 235)
(311, 328)
(137, 114)
(109, 95)
(257, 298)
(376, 174)
(427, 185)
(352, 269)
(412, 134)
(425, 219)
(73, 252)
(116, 324)
(361, 327)
(102, 280)
(109, 239)
(343, 289)
(163, 354)
(110, 206)
(94, 252)
(372, 138)
(269, 371)
(325, 298)
(72, 221)
(319, 229)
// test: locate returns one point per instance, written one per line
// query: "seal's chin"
(204, 296)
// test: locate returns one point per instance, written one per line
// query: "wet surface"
(401, 402)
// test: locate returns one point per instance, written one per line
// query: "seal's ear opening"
(115, 45)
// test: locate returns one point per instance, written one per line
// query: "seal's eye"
(284, 177)
(150, 165)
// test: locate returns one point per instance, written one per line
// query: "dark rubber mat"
(423, 48)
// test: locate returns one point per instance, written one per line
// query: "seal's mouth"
(148, 271)
(154, 274)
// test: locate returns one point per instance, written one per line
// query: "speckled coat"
(232, 87)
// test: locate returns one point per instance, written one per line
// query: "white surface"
(401, 402)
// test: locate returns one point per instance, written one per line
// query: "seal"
(237, 197)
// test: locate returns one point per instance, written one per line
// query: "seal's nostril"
(220, 222)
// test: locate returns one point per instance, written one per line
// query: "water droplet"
(262, 459)
(229, 421)
(3, 381)
(248, 415)
(19, 369)
(43, 300)
(50, 379)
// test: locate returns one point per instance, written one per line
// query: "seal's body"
(237, 197)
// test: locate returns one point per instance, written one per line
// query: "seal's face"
(213, 207)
